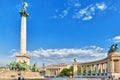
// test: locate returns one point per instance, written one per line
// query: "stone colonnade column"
(75, 69)
(81, 69)
(101, 68)
(86, 66)
(97, 68)
(108, 65)
(112, 66)
(119, 66)
(91, 69)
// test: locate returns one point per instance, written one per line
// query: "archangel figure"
(23, 12)
(25, 5)
(113, 48)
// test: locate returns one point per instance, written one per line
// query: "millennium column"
(23, 56)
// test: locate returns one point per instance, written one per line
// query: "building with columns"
(107, 67)
(23, 56)
(53, 70)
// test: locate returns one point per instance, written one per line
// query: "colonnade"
(92, 69)
(109, 66)
(52, 72)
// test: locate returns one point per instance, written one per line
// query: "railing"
(92, 75)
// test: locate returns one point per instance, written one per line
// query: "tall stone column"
(23, 56)
(23, 34)
(75, 69)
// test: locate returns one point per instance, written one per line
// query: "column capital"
(23, 13)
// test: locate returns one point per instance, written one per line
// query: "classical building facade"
(107, 67)
(23, 56)
(53, 70)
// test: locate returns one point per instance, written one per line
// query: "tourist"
(109, 78)
(112, 78)
(19, 78)
(119, 78)
(23, 78)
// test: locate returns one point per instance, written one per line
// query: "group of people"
(111, 77)
(20, 77)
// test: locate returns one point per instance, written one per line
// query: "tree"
(84, 69)
(89, 69)
(71, 69)
(79, 70)
(34, 67)
(65, 72)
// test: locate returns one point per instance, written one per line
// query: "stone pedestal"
(23, 58)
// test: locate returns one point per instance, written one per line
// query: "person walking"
(23, 78)
(19, 78)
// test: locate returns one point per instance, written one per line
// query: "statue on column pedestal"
(113, 48)
(75, 60)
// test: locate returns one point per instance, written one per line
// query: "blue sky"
(60, 30)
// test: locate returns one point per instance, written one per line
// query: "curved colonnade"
(107, 67)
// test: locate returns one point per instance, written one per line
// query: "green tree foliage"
(84, 69)
(79, 70)
(71, 69)
(66, 72)
(34, 67)
(89, 69)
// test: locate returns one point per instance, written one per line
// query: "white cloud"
(88, 12)
(77, 11)
(74, 3)
(67, 55)
(4, 62)
(13, 50)
(14, 54)
(66, 52)
(97, 48)
(87, 18)
(101, 6)
(77, 4)
(61, 15)
(50, 56)
(116, 38)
